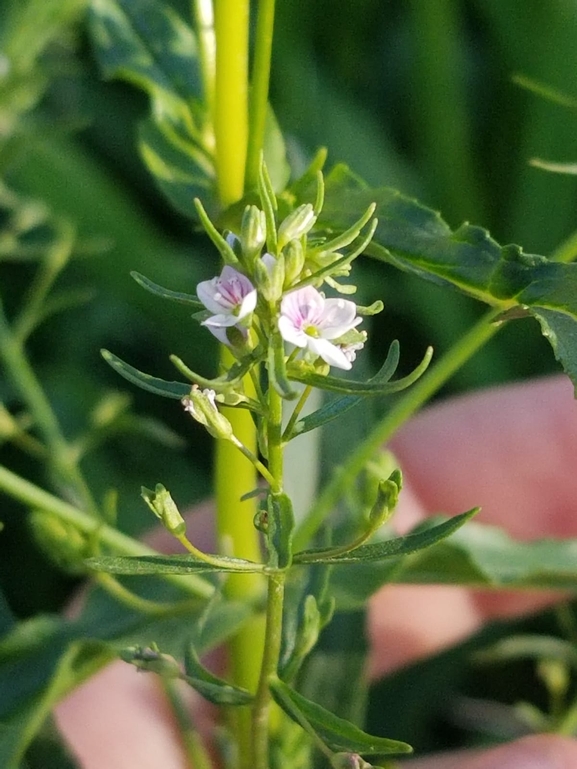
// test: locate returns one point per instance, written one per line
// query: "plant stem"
(259, 89)
(203, 14)
(272, 644)
(35, 497)
(416, 396)
(231, 97)
(196, 754)
(20, 371)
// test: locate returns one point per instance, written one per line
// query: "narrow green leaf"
(169, 564)
(338, 734)
(350, 386)
(338, 406)
(476, 556)
(166, 293)
(410, 543)
(176, 390)
(212, 688)
(534, 647)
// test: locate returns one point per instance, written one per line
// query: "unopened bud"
(269, 276)
(151, 660)
(164, 508)
(201, 405)
(296, 224)
(294, 257)
(387, 499)
(253, 231)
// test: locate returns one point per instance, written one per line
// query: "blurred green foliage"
(412, 94)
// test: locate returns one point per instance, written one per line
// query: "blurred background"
(415, 94)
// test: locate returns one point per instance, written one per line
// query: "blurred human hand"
(511, 450)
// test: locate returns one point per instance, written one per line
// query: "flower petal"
(339, 316)
(290, 333)
(330, 353)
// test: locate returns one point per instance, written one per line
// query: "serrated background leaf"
(417, 240)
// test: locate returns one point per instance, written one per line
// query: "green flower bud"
(269, 276)
(294, 257)
(296, 224)
(253, 232)
(152, 660)
(164, 508)
(387, 499)
(201, 405)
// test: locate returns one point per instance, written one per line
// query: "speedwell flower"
(231, 296)
(308, 320)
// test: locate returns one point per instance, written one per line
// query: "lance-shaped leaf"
(390, 548)
(336, 733)
(211, 687)
(338, 406)
(350, 386)
(170, 564)
(416, 239)
(166, 293)
(476, 556)
(153, 384)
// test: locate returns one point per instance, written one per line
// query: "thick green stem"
(272, 645)
(259, 89)
(416, 397)
(231, 97)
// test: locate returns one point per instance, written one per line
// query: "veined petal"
(207, 293)
(226, 292)
(330, 353)
(303, 307)
(339, 316)
(290, 333)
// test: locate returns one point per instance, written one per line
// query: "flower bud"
(151, 660)
(269, 275)
(296, 224)
(201, 405)
(387, 498)
(253, 232)
(164, 508)
(294, 257)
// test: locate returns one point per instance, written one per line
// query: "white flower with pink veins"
(308, 320)
(231, 297)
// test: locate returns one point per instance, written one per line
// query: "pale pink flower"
(231, 297)
(308, 320)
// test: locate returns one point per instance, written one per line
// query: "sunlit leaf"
(372, 387)
(169, 564)
(416, 239)
(390, 548)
